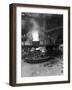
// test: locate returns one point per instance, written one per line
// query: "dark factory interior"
(41, 38)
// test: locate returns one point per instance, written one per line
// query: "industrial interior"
(41, 44)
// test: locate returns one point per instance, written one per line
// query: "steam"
(35, 30)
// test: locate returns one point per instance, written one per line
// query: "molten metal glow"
(35, 35)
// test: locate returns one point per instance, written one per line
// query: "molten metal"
(35, 35)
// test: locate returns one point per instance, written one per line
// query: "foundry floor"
(49, 68)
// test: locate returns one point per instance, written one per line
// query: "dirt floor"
(51, 67)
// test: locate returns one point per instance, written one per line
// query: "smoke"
(33, 33)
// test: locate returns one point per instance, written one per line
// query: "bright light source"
(35, 35)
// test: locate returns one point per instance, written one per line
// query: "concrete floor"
(49, 68)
